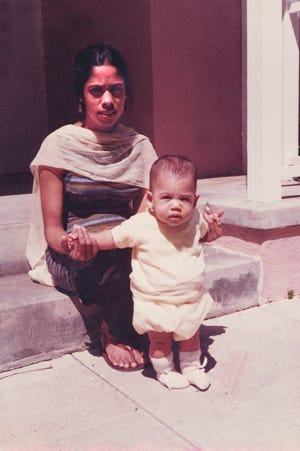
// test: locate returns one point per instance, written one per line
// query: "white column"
(290, 63)
(264, 99)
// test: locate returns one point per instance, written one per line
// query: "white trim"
(244, 84)
(264, 100)
(290, 70)
(293, 6)
(292, 169)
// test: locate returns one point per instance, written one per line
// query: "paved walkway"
(78, 403)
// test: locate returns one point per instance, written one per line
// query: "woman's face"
(104, 97)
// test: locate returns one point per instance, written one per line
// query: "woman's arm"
(51, 185)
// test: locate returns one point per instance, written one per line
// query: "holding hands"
(84, 246)
(79, 244)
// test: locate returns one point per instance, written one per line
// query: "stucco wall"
(23, 106)
(184, 59)
(70, 25)
(196, 47)
(278, 250)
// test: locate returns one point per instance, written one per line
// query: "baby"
(170, 301)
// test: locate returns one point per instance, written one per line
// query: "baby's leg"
(161, 358)
(189, 358)
(160, 344)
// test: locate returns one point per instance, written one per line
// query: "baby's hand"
(214, 221)
(211, 217)
(67, 240)
(79, 244)
(67, 243)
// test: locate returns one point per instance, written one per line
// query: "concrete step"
(233, 279)
(14, 227)
(38, 322)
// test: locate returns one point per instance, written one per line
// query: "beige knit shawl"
(121, 156)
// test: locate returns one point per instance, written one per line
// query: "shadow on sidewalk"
(91, 316)
(206, 340)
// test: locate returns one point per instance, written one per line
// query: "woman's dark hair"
(97, 55)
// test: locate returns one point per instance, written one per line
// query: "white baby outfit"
(167, 273)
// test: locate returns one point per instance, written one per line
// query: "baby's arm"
(103, 239)
(214, 223)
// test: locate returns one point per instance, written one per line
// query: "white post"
(264, 99)
(290, 64)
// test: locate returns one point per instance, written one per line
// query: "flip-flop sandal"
(139, 367)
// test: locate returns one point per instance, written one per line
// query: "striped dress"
(96, 206)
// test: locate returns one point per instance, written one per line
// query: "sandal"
(106, 338)
(138, 366)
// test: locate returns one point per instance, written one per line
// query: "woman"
(92, 173)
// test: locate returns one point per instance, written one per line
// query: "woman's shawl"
(122, 156)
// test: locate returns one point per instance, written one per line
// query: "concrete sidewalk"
(78, 403)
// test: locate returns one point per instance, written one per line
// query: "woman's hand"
(214, 221)
(79, 244)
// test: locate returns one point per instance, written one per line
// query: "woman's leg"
(105, 281)
(119, 354)
(124, 348)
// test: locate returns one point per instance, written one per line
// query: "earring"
(81, 107)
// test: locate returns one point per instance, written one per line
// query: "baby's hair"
(175, 165)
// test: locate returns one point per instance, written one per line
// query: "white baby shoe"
(193, 371)
(173, 380)
(166, 374)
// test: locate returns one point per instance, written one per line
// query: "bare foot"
(123, 356)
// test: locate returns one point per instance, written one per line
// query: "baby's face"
(173, 199)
